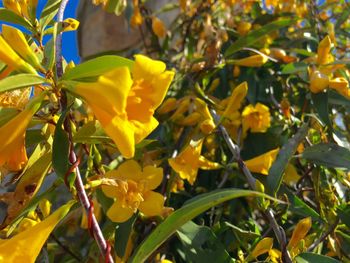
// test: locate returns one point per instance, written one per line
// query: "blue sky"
(70, 50)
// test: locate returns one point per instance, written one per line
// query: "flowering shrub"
(224, 137)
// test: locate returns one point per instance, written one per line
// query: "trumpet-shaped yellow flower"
(26, 246)
(12, 149)
(187, 163)
(10, 57)
(252, 61)
(262, 163)
(256, 118)
(20, 45)
(234, 102)
(125, 106)
(132, 189)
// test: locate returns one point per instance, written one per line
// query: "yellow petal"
(119, 214)
(324, 47)
(10, 57)
(262, 163)
(153, 204)
(236, 99)
(252, 61)
(256, 118)
(318, 82)
(341, 85)
(20, 45)
(146, 68)
(158, 27)
(70, 24)
(300, 231)
(153, 176)
(130, 170)
(26, 246)
(262, 247)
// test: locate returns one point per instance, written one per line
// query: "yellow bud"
(20, 45)
(264, 246)
(191, 119)
(300, 232)
(136, 19)
(318, 82)
(70, 24)
(167, 106)
(45, 207)
(252, 61)
(236, 71)
(215, 83)
(158, 27)
(323, 50)
(243, 27)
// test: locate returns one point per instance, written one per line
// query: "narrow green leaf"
(50, 8)
(293, 68)
(50, 50)
(328, 154)
(320, 102)
(343, 17)
(312, 258)
(19, 81)
(257, 34)
(91, 132)
(186, 213)
(275, 177)
(96, 67)
(60, 148)
(122, 233)
(9, 16)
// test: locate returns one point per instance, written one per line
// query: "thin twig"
(324, 236)
(235, 150)
(84, 200)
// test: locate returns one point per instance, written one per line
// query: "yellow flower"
(10, 57)
(20, 45)
(252, 61)
(26, 246)
(318, 81)
(13, 5)
(262, 163)
(15, 99)
(235, 100)
(256, 118)
(324, 47)
(158, 27)
(125, 106)
(132, 190)
(187, 163)
(12, 149)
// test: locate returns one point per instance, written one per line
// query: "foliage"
(224, 137)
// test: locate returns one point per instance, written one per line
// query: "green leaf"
(96, 67)
(92, 133)
(338, 99)
(186, 213)
(123, 233)
(255, 35)
(343, 17)
(328, 154)
(116, 6)
(320, 102)
(50, 8)
(344, 214)
(50, 51)
(201, 244)
(293, 68)
(9, 16)
(275, 177)
(312, 258)
(60, 148)
(19, 81)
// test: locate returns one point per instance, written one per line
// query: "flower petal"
(153, 204)
(119, 214)
(153, 176)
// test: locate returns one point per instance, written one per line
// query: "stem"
(235, 150)
(83, 198)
